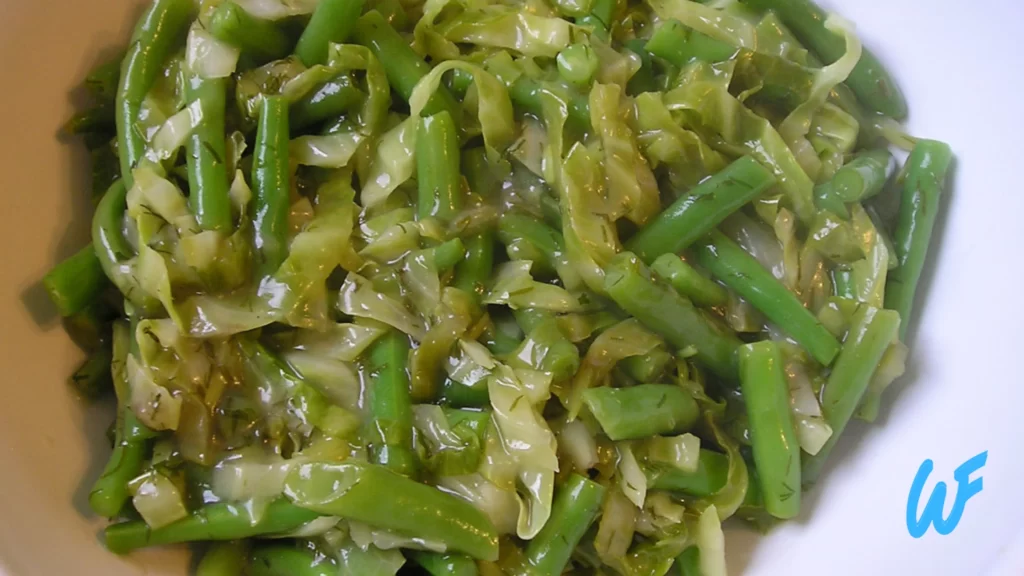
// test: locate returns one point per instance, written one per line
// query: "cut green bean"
(271, 187)
(642, 410)
(92, 379)
(869, 80)
(459, 395)
(710, 477)
(282, 560)
(679, 44)
(205, 152)
(731, 264)
(379, 497)
(688, 563)
(390, 405)
(114, 251)
(402, 65)
(871, 332)
(474, 271)
(772, 436)
(224, 559)
(327, 101)
(668, 313)
(526, 93)
(331, 23)
(437, 564)
(76, 282)
(525, 236)
(923, 182)
(858, 180)
(213, 522)
(705, 207)
(152, 43)
(575, 506)
(437, 168)
(647, 368)
(577, 64)
(688, 282)
(259, 39)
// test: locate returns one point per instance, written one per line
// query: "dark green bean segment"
(224, 559)
(528, 238)
(688, 281)
(670, 314)
(390, 405)
(437, 167)
(642, 410)
(154, 39)
(728, 262)
(113, 250)
(437, 564)
(271, 186)
(332, 23)
(92, 379)
(678, 44)
(403, 66)
(76, 282)
(923, 182)
(871, 332)
(697, 213)
(329, 100)
(474, 271)
(858, 180)
(205, 154)
(688, 563)
(213, 522)
(281, 560)
(647, 368)
(526, 93)
(776, 451)
(459, 395)
(259, 39)
(870, 81)
(711, 475)
(576, 504)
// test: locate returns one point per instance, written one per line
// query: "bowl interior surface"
(957, 63)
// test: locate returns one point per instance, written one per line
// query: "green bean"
(710, 477)
(530, 318)
(271, 187)
(731, 264)
(112, 249)
(331, 23)
(437, 564)
(224, 559)
(547, 349)
(459, 395)
(642, 410)
(604, 11)
(474, 271)
(394, 13)
(870, 81)
(688, 282)
(694, 215)
(645, 79)
(155, 37)
(858, 180)
(402, 65)
(283, 560)
(647, 368)
(76, 282)
(390, 405)
(437, 168)
(773, 438)
(379, 497)
(688, 563)
(678, 44)
(575, 506)
(923, 182)
(329, 100)
(102, 81)
(213, 522)
(259, 39)
(526, 237)
(871, 332)
(205, 152)
(479, 172)
(597, 27)
(668, 313)
(526, 93)
(447, 255)
(92, 379)
(577, 64)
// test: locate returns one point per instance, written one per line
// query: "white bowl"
(959, 65)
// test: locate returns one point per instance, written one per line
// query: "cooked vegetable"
(486, 288)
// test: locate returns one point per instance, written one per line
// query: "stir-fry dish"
(456, 287)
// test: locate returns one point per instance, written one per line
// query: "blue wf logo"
(932, 514)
